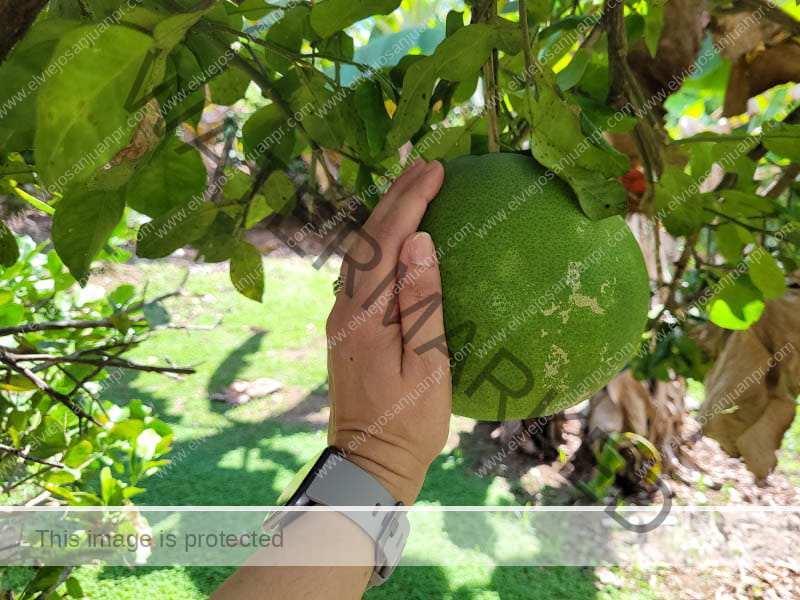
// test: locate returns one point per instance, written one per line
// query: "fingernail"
(430, 166)
(420, 248)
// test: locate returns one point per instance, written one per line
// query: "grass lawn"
(248, 455)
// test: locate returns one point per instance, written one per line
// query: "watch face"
(299, 484)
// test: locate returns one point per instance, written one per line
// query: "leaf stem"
(35, 202)
(526, 41)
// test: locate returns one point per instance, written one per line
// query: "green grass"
(248, 455)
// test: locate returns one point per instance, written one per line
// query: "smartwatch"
(332, 480)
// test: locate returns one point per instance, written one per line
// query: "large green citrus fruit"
(542, 307)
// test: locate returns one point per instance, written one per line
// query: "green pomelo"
(555, 303)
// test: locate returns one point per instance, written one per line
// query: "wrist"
(403, 487)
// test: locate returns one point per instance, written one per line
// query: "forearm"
(339, 555)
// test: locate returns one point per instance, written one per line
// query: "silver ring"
(338, 285)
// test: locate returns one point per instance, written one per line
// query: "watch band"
(332, 480)
(338, 482)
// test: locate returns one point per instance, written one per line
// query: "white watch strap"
(339, 482)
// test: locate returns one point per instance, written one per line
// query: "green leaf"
(444, 143)
(228, 87)
(766, 273)
(288, 33)
(174, 229)
(507, 35)
(731, 240)
(573, 72)
(236, 183)
(11, 314)
(784, 141)
(268, 130)
(737, 304)
(127, 430)
(678, 202)
(218, 243)
(247, 271)
(453, 22)
(653, 24)
(168, 181)
(324, 121)
(121, 295)
(9, 251)
(81, 227)
(700, 161)
(22, 73)
(738, 203)
(81, 118)
(155, 314)
(169, 32)
(558, 142)
(253, 10)
(45, 577)
(78, 454)
(130, 492)
(186, 99)
(539, 11)
(365, 188)
(108, 486)
(330, 16)
(414, 101)
(280, 193)
(368, 100)
(74, 588)
(464, 52)
(50, 436)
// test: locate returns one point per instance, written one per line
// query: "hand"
(390, 407)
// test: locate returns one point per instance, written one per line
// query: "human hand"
(390, 406)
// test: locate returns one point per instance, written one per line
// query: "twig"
(680, 268)
(526, 42)
(38, 499)
(659, 264)
(219, 169)
(757, 153)
(85, 323)
(785, 181)
(738, 222)
(481, 14)
(28, 457)
(107, 362)
(43, 387)
(197, 327)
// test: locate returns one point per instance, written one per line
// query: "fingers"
(420, 301)
(396, 217)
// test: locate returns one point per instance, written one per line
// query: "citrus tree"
(152, 125)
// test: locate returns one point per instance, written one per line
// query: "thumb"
(420, 300)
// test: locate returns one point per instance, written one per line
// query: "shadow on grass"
(228, 370)
(241, 463)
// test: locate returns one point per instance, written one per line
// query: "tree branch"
(100, 362)
(16, 17)
(84, 323)
(624, 89)
(482, 13)
(23, 456)
(43, 387)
